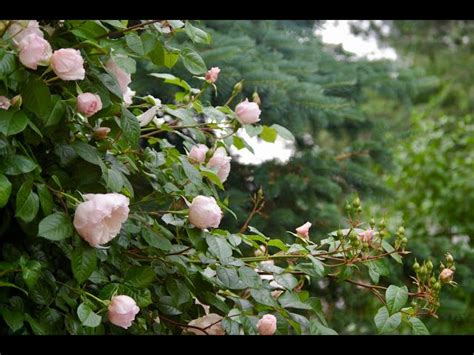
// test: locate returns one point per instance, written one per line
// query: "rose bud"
(88, 104)
(197, 153)
(68, 64)
(221, 161)
(34, 51)
(212, 74)
(446, 275)
(267, 325)
(4, 103)
(204, 212)
(303, 231)
(122, 311)
(247, 112)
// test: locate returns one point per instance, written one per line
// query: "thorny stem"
(258, 203)
(131, 28)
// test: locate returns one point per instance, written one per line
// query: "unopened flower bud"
(423, 271)
(348, 207)
(436, 286)
(401, 231)
(353, 236)
(416, 266)
(429, 266)
(449, 258)
(256, 98)
(339, 234)
(101, 133)
(356, 202)
(17, 101)
(432, 280)
(446, 275)
(382, 224)
(237, 88)
(372, 223)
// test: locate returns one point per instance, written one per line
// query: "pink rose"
(221, 161)
(98, 220)
(4, 103)
(267, 325)
(446, 275)
(20, 29)
(68, 64)
(367, 235)
(212, 74)
(89, 104)
(122, 77)
(204, 212)
(247, 112)
(211, 323)
(198, 152)
(34, 51)
(303, 231)
(122, 311)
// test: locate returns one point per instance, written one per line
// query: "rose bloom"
(247, 112)
(122, 311)
(89, 104)
(68, 64)
(198, 153)
(205, 322)
(303, 231)
(221, 161)
(446, 275)
(204, 212)
(34, 51)
(4, 103)
(20, 29)
(212, 74)
(267, 325)
(99, 219)
(367, 235)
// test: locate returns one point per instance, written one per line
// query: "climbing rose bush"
(109, 226)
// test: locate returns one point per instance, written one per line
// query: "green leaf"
(157, 55)
(114, 180)
(31, 272)
(27, 203)
(111, 84)
(16, 164)
(386, 324)
(288, 281)
(171, 79)
(229, 278)
(156, 240)
(191, 172)
(218, 247)
(396, 298)
(13, 317)
(418, 327)
(116, 23)
(212, 176)
(316, 328)
(169, 218)
(263, 296)
(268, 134)
(278, 243)
(36, 96)
(134, 42)
(12, 122)
(389, 249)
(46, 199)
(87, 152)
(57, 114)
(250, 277)
(125, 63)
(57, 226)
(87, 316)
(5, 190)
(83, 262)
(291, 300)
(193, 61)
(178, 291)
(89, 30)
(283, 132)
(130, 127)
(196, 35)
(7, 63)
(9, 284)
(140, 277)
(170, 59)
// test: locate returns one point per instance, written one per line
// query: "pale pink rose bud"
(122, 311)
(20, 29)
(247, 112)
(101, 133)
(123, 78)
(34, 51)
(127, 97)
(68, 64)
(210, 323)
(89, 104)
(303, 231)
(220, 161)
(367, 235)
(197, 153)
(267, 325)
(4, 103)
(98, 220)
(446, 275)
(212, 74)
(204, 212)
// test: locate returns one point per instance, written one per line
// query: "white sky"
(332, 32)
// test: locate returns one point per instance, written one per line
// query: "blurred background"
(381, 109)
